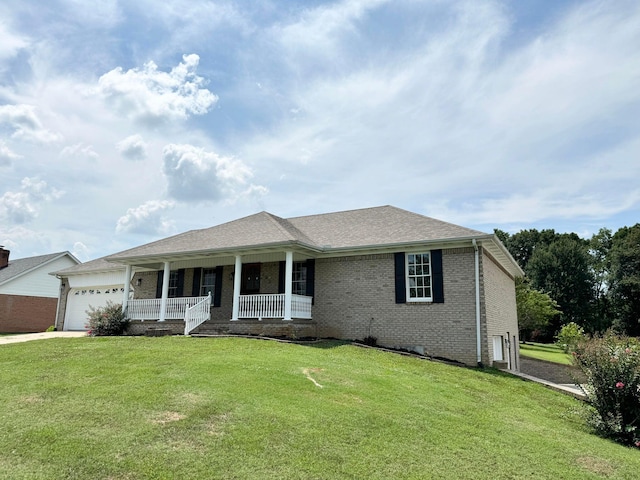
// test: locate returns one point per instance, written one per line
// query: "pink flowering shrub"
(107, 320)
(611, 365)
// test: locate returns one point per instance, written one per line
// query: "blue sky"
(124, 122)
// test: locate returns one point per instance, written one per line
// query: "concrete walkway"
(25, 337)
(567, 388)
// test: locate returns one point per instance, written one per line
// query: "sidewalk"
(25, 337)
(567, 388)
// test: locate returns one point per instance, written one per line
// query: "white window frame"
(212, 288)
(408, 277)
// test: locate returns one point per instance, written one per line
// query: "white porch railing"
(272, 306)
(198, 314)
(149, 308)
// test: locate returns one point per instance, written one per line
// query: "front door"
(250, 279)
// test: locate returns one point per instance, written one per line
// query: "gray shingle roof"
(376, 226)
(97, 265)
(20, 266)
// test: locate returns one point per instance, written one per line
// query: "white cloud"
(147, 219)
(15, 238)
(154, 96)
(80, 251)
(79, 150)
(26, 124)
(194, 174)
(10, 43)
(24, 205)
(321, 30)
(6, 155)
(133, 147)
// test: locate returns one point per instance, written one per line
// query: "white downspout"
(478, 329)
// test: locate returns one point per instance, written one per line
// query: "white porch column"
(165, 291)
(288, 285)
(237, 279)
(127, 285)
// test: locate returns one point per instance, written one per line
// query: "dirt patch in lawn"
(596, 465)
(168, 417)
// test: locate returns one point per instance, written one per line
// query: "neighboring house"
(410, 281)
(28, 294)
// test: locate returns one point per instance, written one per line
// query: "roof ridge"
(279, 221)
(343, 211)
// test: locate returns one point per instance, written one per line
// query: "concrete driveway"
(25, 337)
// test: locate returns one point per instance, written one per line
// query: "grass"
(545, 351)
(176, 407)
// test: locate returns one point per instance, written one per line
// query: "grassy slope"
(124, 408)
(545, 351)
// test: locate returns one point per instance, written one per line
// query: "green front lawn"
(195, 408)
(545, 351)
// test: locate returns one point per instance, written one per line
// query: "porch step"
(270, 327)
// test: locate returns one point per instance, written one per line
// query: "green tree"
(600, 253)
(563, 269)
(625, 278)
(535, 309)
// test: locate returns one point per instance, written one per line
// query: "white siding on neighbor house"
(38, 282)
(97, 279)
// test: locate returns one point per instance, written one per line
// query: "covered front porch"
(218, 278)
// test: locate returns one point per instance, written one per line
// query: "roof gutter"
(478, 329)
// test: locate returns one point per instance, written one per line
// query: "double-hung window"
(418, 274)
(173, 284)
(208, 282)
(299, 278)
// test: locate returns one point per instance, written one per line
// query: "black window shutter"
(436, 274)
(401, 280)
(195, 289)
(180, 289)
(217, 294)
(311, 278)
(159, 284)
(281, 275)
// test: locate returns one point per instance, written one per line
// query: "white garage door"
(79, 300)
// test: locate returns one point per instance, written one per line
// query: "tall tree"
(625, 278)
(535, 309)
(563, 270)
(600, 253)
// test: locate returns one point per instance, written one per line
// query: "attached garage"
(90, 284)
(80, 299)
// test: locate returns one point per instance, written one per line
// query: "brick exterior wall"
(499, 312)
(355, 298)
(20, 313)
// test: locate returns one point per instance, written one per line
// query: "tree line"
(594, 282)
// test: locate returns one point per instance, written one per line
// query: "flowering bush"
(107, 320)
(569, 336)
(611, 365)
